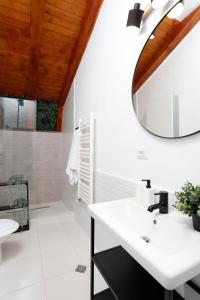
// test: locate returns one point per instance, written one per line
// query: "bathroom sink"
(165, 245)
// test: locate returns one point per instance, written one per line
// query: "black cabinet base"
(105, 295)
(125, 278)
(177, 296)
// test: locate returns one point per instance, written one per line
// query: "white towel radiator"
(86, 160)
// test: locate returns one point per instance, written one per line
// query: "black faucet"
(162, 205)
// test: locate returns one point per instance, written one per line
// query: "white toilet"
(7, 227)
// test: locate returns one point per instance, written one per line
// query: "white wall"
(39, 157)
(68, 192)
(103, 86)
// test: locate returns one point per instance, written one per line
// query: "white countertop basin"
(172, 256)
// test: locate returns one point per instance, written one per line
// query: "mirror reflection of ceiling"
(166, 90)
(169, 33)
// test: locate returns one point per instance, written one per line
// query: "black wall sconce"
(135, 16)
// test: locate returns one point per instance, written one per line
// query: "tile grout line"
(40, 250)
(15, 290)
(19, 289)
(43, 251)
(35, 232)
(72, 243)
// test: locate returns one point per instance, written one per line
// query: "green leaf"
(188, 199)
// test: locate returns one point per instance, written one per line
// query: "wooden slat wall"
(37, 40)
(14, 46)
(61, 26)
(88, 23)
(37, 12)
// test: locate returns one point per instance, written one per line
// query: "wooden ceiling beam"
(170, 44)
(59, 118)
(37, 14)
(87, 26)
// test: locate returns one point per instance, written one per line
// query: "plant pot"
(196, 222)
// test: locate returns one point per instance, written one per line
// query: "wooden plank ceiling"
(40, 42)
(168, 35)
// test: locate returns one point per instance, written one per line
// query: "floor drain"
(146, 239)
(81, 269)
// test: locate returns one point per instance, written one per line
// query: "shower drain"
(81, 269)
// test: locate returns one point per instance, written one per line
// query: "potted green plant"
(188, 202)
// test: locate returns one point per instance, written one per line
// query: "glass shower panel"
(9, 112)
(16, 170)
(17, 114)
(14, 202)
(27, 114)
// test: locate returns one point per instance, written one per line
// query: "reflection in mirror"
(166, 85)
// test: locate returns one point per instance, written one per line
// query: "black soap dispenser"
(148, 181)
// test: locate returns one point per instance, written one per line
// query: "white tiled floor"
(40, 264)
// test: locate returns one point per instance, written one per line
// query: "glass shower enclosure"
(17, 114)
(14, 202)
(17, 117)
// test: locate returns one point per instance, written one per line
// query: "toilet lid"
(7, 227)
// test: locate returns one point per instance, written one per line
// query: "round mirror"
(166, 84)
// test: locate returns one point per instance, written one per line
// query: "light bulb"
(156, 4)
(152, 36)
(176, 11)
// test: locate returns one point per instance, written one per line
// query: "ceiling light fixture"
(135, 16)
(152, 37)
(177, 10)
(156, 4)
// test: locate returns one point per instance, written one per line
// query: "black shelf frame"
(104, 295)
(126, 279)
(7, 207)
